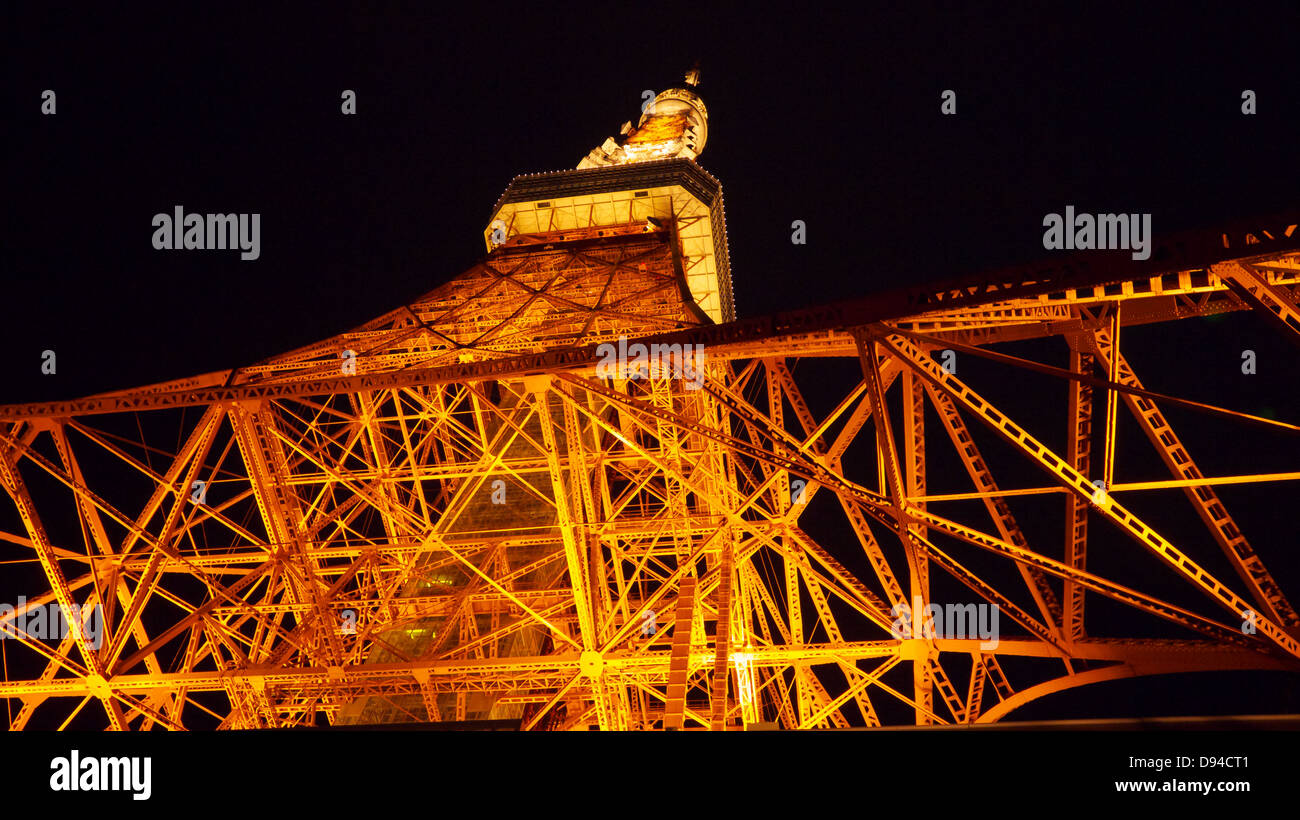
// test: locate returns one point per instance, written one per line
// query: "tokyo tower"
(571, 489)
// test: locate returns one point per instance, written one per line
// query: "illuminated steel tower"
(569, 489)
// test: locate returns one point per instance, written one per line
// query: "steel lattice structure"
(451, 513)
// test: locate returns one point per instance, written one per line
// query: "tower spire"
(674, 124)
(693, 76)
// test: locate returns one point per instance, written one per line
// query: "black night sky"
(830, 116)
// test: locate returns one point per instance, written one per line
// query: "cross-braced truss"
(451, 514)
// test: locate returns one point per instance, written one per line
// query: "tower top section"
(675, 124)
(643, 182)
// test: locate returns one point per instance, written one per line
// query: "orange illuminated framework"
(447, 514)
